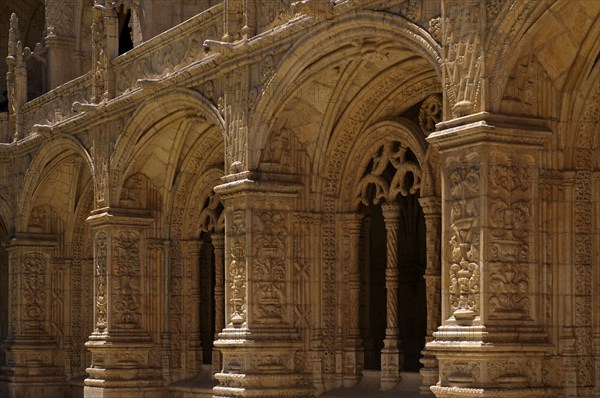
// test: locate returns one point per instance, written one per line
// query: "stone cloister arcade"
(273, 199)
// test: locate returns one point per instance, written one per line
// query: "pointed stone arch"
(61, 146)
(171, 106)
(323, 42)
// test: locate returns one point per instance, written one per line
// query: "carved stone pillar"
(60, 42)
(16, 79)
(259, 343)
(60, 59)
(433, 218)
(353, 351)
(391, 356)
(192, 298)
(125, 360)
(218, 241)
(32, 365)
(491, 342)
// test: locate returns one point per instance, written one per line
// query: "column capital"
(218, 240)
(249, 183)
(490, 128)
(431, 205)
(119, 216)
(391, 211)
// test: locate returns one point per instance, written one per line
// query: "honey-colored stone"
(299, 198)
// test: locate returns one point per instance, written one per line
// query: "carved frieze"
(270, 266)
(510, 220)
(100, 260)
(464, 182)
(127, 298)
(34, 292)
(459, 372)
(514, 372)
(236, 269)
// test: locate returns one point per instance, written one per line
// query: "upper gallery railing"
(158, 57)
(169, 51)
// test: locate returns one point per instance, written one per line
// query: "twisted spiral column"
(391, 362)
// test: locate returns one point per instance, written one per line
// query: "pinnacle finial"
(13, 34)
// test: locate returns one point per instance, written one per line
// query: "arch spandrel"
(324, 42)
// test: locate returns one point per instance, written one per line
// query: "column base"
(261, 385)
(353, 364)
(122, 369)
(480, 369)
(217, 362)
(30, 389)
(31, 369)
(463, 392)
(391, 365)
(99, 392)
(260, 364)
(430, 372)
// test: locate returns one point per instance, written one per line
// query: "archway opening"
(125, 31)
(393, 258)
(412, 304)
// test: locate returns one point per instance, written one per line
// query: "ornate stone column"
(32, 365)
(433, 218)
(60, 43)
(259, 343)
(353, 351)
(218, 241)
(192, 298)
(491, 342)
(125, 360)
(391, 360)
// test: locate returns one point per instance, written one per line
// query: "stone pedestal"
(259, 343)
(33, 366)
(491, 342)
(125, 361)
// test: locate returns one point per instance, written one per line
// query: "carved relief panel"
(270, 266)
(120, 273)
(235, 271)
(510, 220)
(34, 285)
(463, 178)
